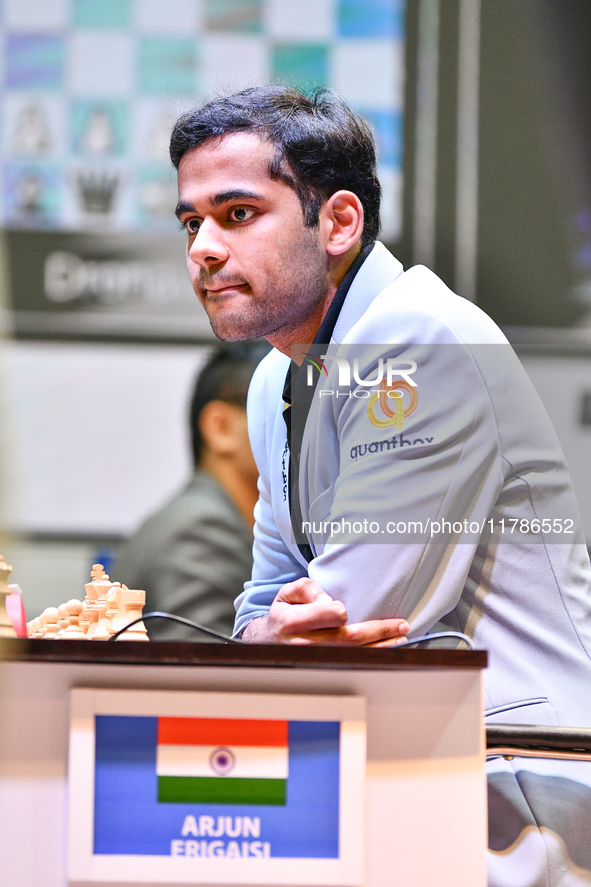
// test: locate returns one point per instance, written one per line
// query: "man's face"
(253, 264)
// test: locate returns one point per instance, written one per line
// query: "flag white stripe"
(254, 762)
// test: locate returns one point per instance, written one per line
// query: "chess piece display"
(6, 627)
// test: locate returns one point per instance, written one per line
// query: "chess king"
(280, 199)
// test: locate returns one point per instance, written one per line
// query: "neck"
(304, 333)
(242, 490)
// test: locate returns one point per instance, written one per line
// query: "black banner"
(99, 285)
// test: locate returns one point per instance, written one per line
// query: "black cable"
(182, 621)
(440, 634)
(156, 614)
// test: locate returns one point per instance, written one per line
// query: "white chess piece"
(37, 628)
(115, 613)
(31, 132)
(87, 615)
(96, 593)
(50, 616)
(133, 601)
(62, 619)
(101, 629)
(73, 632)
(6, 627)
(42, 625)
(98, 136)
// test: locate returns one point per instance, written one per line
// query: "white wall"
(95, 435)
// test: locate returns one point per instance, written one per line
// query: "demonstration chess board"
(90, 88)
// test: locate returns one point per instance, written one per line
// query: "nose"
(208, 247)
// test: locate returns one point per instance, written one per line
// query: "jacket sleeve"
(274, 565)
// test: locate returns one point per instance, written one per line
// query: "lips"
(223, 289)
(223, 292)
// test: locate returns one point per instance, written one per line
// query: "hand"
(302, 613)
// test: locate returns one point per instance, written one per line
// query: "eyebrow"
(182, 208)
(235, 194)
(219, 200)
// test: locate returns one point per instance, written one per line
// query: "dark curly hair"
(321, 144)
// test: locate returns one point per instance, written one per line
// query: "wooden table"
(426, 788)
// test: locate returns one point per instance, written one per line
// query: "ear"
(217, 425)
(341, 217)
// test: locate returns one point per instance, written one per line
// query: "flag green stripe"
(220, 790)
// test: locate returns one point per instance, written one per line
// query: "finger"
(302, 591)
(328, 636)
(344, 637)
(289, 620)
(376, 630)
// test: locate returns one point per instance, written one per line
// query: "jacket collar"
(375, 274)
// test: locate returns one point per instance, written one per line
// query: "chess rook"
(133, 602)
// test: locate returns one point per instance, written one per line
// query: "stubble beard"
(285, 302)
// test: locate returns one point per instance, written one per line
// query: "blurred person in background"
(193, 555)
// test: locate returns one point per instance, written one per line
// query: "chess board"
(90, 88)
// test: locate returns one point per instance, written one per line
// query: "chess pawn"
(63, 619)
(73, 632)
(42, 625)
(37, 628)
(6, 626)
(50, 617)
(133, 601)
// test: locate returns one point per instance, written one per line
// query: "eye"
(241, 214)
(192, 226)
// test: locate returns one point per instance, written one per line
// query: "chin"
(233, 330)
(243, 322)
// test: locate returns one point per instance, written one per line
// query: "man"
(193, 556)
(279, 196)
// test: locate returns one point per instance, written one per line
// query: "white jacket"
(478, 447)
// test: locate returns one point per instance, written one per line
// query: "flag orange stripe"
(221, 731)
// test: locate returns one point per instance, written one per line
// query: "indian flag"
(222, 761)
